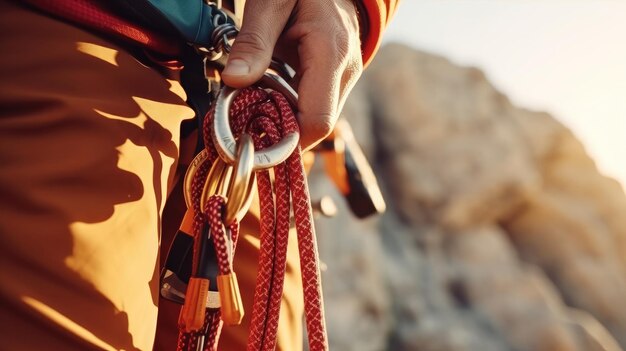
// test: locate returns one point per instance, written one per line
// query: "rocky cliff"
(500, 232)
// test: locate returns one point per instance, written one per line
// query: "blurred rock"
(500, 232)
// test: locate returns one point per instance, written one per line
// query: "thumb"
(251, 54)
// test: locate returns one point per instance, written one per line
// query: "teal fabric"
(192, 18)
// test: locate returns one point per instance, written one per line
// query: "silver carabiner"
(224, 139)
(216, 57)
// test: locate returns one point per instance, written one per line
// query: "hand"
(318, 38)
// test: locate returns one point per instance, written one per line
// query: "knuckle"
(343, 39)
(342, 44)
(342, 49)
(323, 125)
(349, 79)
(355, 68)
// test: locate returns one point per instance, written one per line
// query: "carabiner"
(235, 185)
(239, 193)
(189, 174)
(224, 139)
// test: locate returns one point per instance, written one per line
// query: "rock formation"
(500, 232)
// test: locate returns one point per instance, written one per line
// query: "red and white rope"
(267, 116)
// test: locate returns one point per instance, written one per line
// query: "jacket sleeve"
(374, 17)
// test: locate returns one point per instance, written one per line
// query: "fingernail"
(237, 67)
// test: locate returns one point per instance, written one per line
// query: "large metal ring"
(224, 139)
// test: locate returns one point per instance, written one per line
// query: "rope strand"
(267, 116)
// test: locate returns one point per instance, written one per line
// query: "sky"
(564, 57)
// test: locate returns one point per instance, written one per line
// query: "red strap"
(92, 15)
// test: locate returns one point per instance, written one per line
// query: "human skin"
(318, 38)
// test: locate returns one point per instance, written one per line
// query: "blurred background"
(564, 57)
(495, 129)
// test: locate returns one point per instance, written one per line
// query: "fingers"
(251, 54)
(324, 84)
(351, 75)
(318, 94)
(331, 63)
(325, 35)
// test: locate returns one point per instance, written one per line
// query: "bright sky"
(564, 57)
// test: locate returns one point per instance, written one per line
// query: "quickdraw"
(236, 121)
(267, 119)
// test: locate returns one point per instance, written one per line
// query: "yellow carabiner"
(191, 172)
(235, 185)
(239, 193)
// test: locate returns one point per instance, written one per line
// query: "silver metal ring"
(224, 139)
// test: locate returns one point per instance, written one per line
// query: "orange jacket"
(378, 14)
